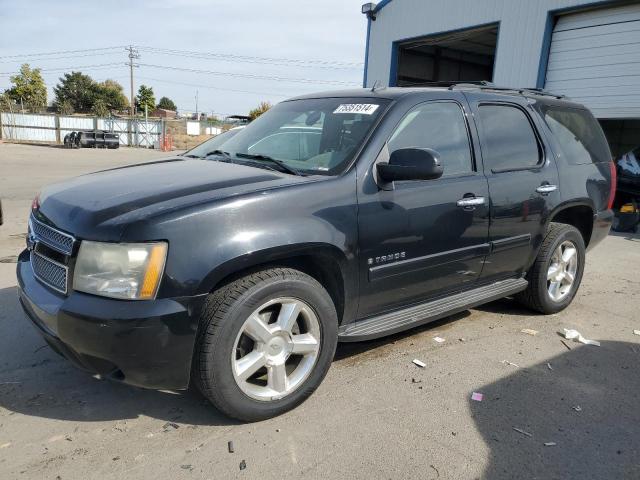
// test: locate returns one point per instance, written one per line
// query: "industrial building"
(586, 50)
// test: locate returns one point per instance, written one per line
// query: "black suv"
(342, 216)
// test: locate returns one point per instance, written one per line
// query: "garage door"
(595, 59)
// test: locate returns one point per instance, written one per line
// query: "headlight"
(120, 270)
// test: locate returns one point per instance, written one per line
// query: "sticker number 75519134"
(361, 108)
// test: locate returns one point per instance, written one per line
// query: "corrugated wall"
(520, 40)
(43, 128)
(595, 59)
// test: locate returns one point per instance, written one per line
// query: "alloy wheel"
(276, 349)
(562, 270)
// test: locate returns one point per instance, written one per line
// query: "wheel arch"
(324, 262)
(580, 214)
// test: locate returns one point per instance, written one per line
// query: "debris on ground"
(549, 366)
(636, 332)
(166, 426)
(577, 408)
(230, 446)
(529, 331)
(413, 380)
(461, 339)
(550, 444)
(419, 363)
(522, 432)
(436, 470)
(186, 467)
(243, 465)
(565, 344)
(439, 339)
(477, 396)
(571, 334)
(507, 362)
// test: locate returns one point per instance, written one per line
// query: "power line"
(213, 88)
(68, 56)
(248, 75)
(194, 54)
(76, 68)
(60, 52)
(307, 63)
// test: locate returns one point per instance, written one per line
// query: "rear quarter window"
(578, 135)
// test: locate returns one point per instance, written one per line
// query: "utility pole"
(197, 116)
(133, 54)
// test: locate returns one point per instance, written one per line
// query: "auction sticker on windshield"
(361, 108)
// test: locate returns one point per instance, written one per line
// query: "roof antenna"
(375, 84)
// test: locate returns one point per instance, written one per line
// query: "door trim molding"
(378, 272)
(510, 242)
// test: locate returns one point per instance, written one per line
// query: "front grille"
(51, 237)
(50, 273)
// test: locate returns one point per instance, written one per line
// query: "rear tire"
(265, 343)
(555, 276)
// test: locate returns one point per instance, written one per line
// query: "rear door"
(523, 182)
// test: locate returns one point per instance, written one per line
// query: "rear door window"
(508, 139)
(579, 135)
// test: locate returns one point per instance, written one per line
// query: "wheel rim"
(561, 274)
(276, 349)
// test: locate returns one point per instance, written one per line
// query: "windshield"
(314, 136)
(210, 145)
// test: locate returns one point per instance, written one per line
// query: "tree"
(78, 92)
(28, 88)
(112, 95)
(75, 90)
(259, 110)
(100, 108)
(167, 104)
(144, 98)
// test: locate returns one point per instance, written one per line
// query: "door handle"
(546, 188)
(470, 202)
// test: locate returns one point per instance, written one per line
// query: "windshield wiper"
(226, 158)
(191, 155)
(283, 166)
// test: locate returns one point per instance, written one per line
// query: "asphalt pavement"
(550, 409)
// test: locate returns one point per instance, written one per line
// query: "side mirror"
(411, 164)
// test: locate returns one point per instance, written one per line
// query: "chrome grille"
(60, 241)
(49, 272)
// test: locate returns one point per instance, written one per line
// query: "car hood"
(100, 205)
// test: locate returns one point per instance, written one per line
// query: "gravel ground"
(377, 415)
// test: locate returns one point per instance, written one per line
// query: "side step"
(413, 316)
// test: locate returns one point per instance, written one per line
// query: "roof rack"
(484, 85)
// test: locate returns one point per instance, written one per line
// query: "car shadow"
(632, 237)
(506, 306)
(35, 381)
(584, 407)
(349, 349)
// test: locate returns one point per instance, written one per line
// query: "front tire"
(265, 343)
(555, 276)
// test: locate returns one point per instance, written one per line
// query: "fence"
(51, 128)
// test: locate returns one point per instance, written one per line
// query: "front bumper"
(144, 343)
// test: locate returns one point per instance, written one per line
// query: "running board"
(410, 317)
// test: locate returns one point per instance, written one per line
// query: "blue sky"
(316, 45)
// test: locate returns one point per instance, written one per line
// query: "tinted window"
(508, 140)
(579, 135)
(440, 126)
